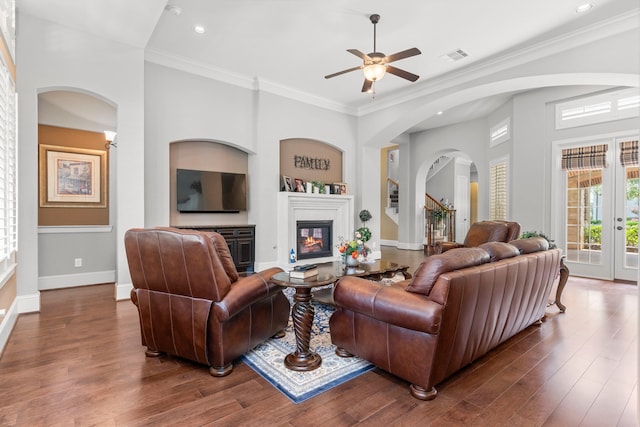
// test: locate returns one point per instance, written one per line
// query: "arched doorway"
(76, 241)
(452, 180)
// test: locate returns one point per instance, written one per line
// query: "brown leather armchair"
(483, 232)
(191, 301)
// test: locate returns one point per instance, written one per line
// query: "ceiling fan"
(376, 64)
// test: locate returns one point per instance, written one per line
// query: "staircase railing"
(440, 222)
(392, 194)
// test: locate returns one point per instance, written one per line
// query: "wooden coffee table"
(375, 270)
(302, 312)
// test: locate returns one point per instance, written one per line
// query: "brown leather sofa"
(483, 232)
(193, 304)
(459, 305)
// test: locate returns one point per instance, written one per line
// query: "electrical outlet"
(78, 262)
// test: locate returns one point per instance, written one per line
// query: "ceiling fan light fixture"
(374, 72)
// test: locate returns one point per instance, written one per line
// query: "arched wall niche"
(207, 155)
(310, 160)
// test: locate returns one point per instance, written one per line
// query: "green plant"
(319, 185)
(364, 234)
(439, 214)
(632, 236)
(527, 234)
(365, 216)
(593, 235)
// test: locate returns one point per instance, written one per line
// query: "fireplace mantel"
(294, 207)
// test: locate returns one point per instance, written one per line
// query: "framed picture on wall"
(299, 185)
(72, 177)
(288, 183)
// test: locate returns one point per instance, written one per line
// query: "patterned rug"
(267, 360)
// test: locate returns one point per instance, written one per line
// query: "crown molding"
(252, 83)
(517, 56)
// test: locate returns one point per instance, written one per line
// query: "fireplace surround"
(294, 207)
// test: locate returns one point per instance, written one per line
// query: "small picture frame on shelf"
(288, 183)
(299, 185)
(340, 188)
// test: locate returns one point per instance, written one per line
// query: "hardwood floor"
(80, 362)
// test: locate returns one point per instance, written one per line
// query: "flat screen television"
(210, 192)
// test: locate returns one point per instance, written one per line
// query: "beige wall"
(8, 294)
(65, 137)
(310, 160)
(388, 228)
(207, 156)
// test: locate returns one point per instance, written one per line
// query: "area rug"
(267, 360)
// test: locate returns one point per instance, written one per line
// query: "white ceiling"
(293, 44)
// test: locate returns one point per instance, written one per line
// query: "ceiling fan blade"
(359, 54)
(343, 71)
(366, 87)
(402, 73)
(404, 54)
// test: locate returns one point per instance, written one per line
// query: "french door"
(601, 208)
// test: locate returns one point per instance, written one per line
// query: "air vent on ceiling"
(454, 55)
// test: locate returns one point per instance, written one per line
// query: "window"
(500, 132)
(8, 175)
(621, 104)
(498, 170)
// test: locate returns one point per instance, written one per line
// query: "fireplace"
(314, 239)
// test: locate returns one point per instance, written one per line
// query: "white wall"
(181, 106)
(577, 62)
(88, 63)
(534, 132)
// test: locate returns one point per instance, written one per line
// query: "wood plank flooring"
(79, 362)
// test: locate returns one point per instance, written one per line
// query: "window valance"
(580, 158)
(629, 153)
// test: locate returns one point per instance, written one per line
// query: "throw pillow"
(532, 244)
(500, 250)
(432, 267)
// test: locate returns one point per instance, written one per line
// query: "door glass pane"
(584, 216)
(631, 223)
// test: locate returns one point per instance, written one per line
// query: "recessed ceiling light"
(200, 29)
(173, 9)
(584, 7)
(439, 113)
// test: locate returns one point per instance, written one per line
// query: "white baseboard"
(73, 280)
(393, 243)
(28, 303)
(411, 246)
(122, 291)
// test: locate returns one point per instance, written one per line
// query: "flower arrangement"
(354, 247)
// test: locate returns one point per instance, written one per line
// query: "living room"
(160, 100)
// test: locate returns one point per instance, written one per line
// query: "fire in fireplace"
(314, 239)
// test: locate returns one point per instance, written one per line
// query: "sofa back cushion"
(225, 255)
(485, 231)
(530, 245)
(500, 250)
(180, 262)
(432, 267)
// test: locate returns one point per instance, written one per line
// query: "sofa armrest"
(246, 291)
(390, 304)
(445, 246)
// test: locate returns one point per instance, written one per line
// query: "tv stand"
(241, 240)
